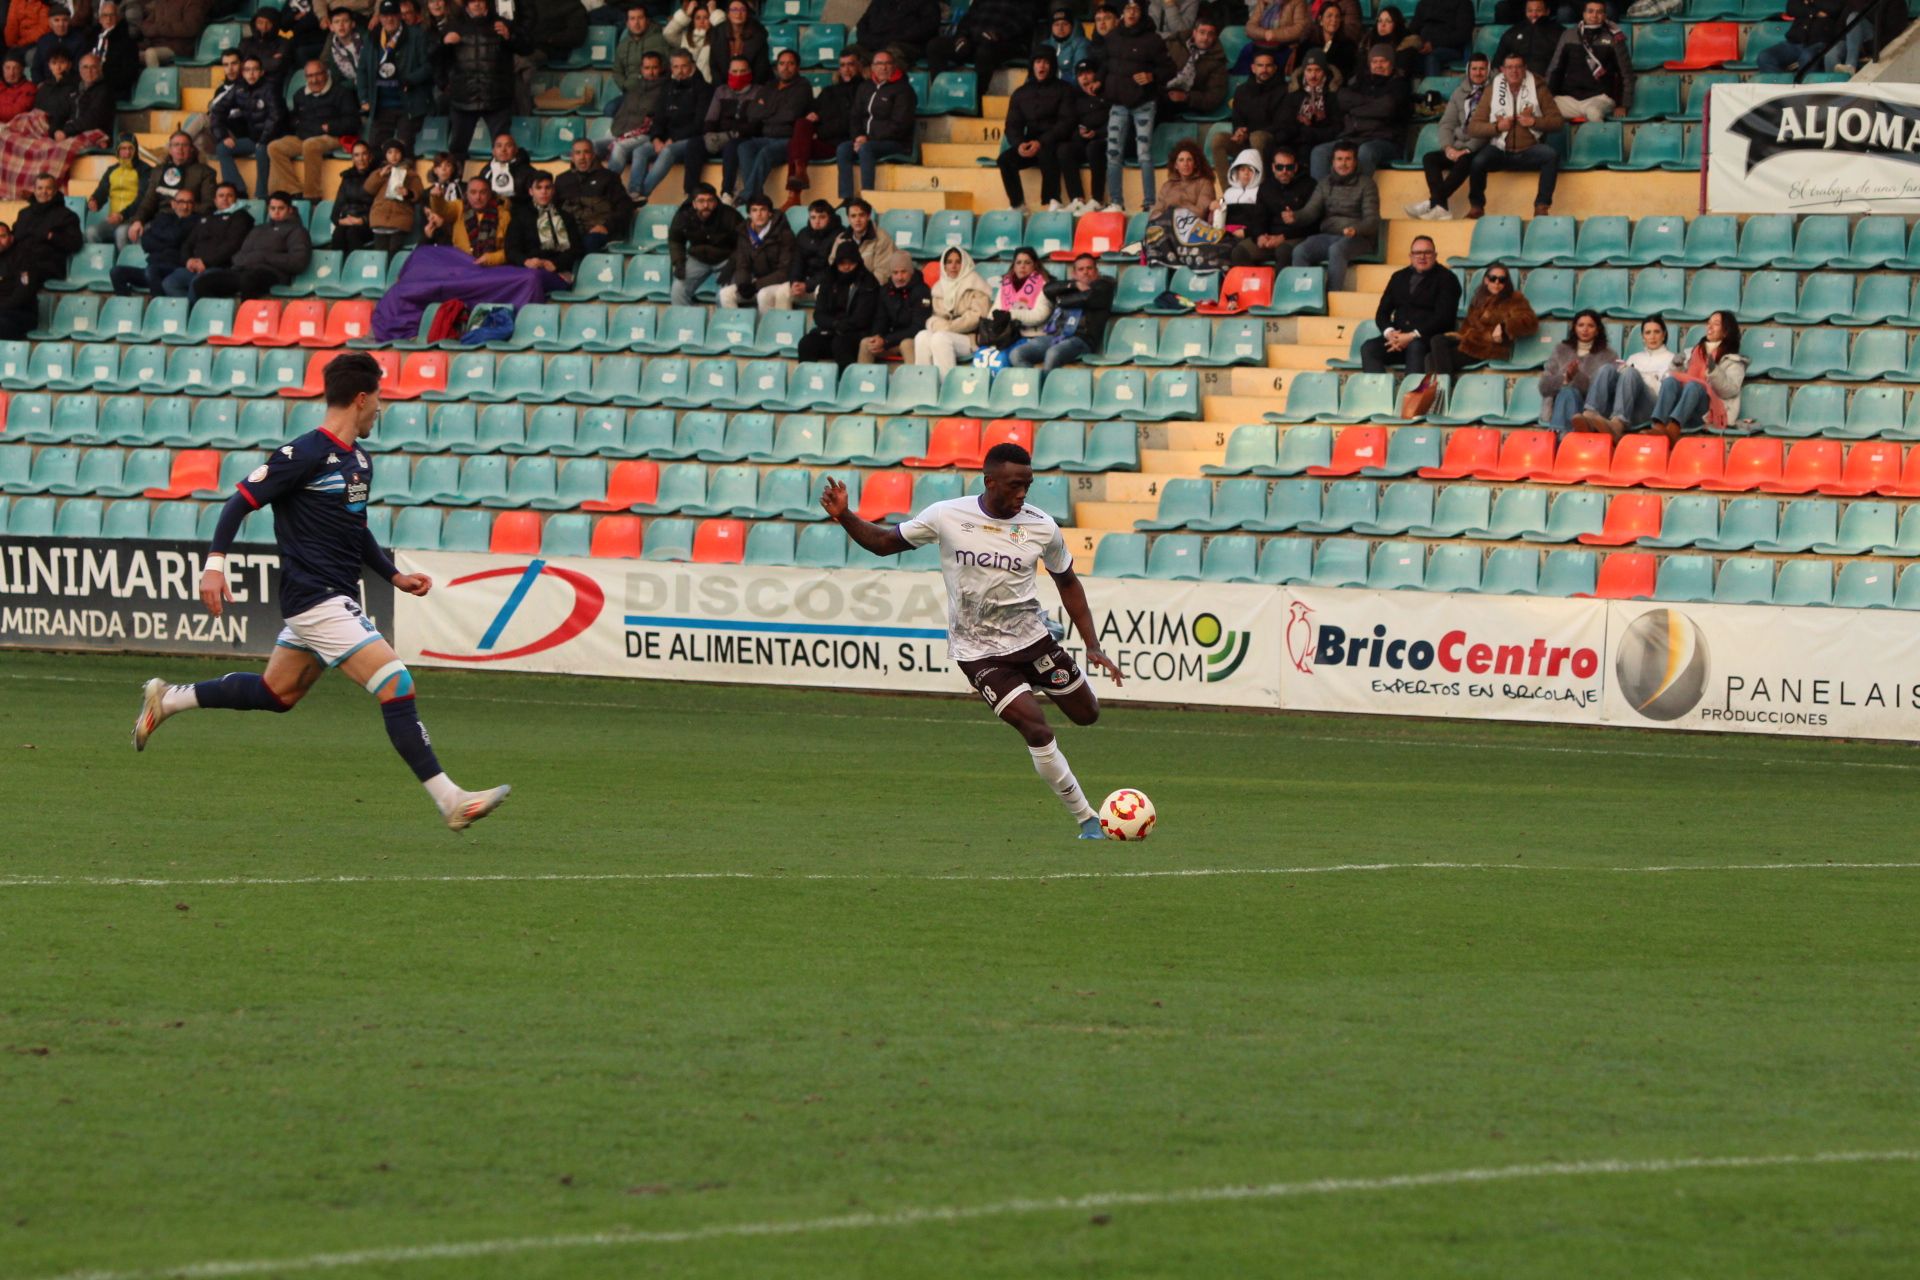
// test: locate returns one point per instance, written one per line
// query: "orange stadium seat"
(192, 469)
(515, 533)
(719, 541)
(1810, 464)
(1522, 455)
(1870, 468)
(886, 495)
(1469, 450)
(951, 442)
(1709, 45)
(632, 483)
(1582, 456)
(315, 382)
(1908, 485)
(1243, 289)
(1630, 517)
(1635, 460)
(301, 319)
(1626, 575)
(1095, 233)
(422, 371)
(1354, 448)
(1692, 462)
(617, 538)
(1750, 463)
(252, 321)
(1003, 431)
(350, 318)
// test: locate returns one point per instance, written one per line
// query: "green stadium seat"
(1711, 239)
(1057, 444)
(1528, 356)
(1572, 514)
(1310, 396)
(1248, 447)
(566, 535)
(173, 522)
(847, 438)
(1863, 526)
(1237, 504)
(1182, 502)
(1137, 288)
(1654, 98)
(1656, 241)
(1346, 504)
(1769, 349)
(1398, 566)
(1880, 299)
(1495, 239)
(1879, 241)
(733, 490)
(1120, 555)
(1361, 333)
(913, 388)
(1470, 399)
(1819, 353)
(360, 274)
(1453, 569)
(1403, 507)
(32, 518)
(483, 482)
(1290, 504)
(128, 518)
(499, 427)
(581, 481)
(812, 385)
(1408, 451)
(1744, 581)
(531, 482)
(821, 546)
(16, 467)
(1655, 146)
(1511, 571)
(1864, 585)
(1684, 579)
(1687, 520)
(1819, 239)
(1460, 507)
(1602, 240)
(1604, 290)
(1825, 297)
(551, 429)
(1067, 393)
(1803, 524)
(1907, 594)
(1111, 446)
(899, 439)
(54, 471)
(1873, 412)
(1514, 511)
(1175, 557)
(1340, 562)
(464, 531)
(683, 485)
(1569, 574)
(1285, 560)
(1230, 559)
(997, 233)
(1598, 144)
(1768, 295)
(769, 543)
(1301, 448)
(73, 317)
(796, 436)
(1765, 238)
(1744, 524)
(1548, 240)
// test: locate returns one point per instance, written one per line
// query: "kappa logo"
(1300, 634)
(588, 601)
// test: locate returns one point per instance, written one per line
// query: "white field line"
(943, 1214)
(642, 877)
(1691, 756)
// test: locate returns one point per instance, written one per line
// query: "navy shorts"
(1043, 667)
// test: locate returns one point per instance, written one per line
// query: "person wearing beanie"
(1376, 106)
(700, 242)
(906, 303)
(1066, 41)
(847, 309)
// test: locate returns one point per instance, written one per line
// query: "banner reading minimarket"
(1829, 148)
(842, 628)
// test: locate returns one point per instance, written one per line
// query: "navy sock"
(238, 691)
(410, 737)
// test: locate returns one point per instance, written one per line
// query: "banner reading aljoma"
(1831, 148)
(847, 628)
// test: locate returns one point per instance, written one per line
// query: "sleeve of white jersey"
(1055, 554)
(921, 529)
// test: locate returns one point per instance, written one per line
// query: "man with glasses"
(1346, 210)
(1266, 236)
(881, 125)
(165, 243)
(327, 109)
(1422, 302)
(1448, 167)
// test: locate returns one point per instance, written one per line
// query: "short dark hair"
(1009, 453)
(1481, 57)
(1350, 148)
(1079, 258)
(349, 377)
(858, 203)
(758, 201)
(284, 197)
(230, 186)
(820, 206)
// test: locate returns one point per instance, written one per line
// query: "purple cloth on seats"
(436, 273)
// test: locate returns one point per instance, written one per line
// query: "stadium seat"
(1397, 566)
(1236, 504)
(1881, 299)
(769, 544)
(720, 542)
(1569, 574)
(1863, 526)
(1819, 240)
(1654, 98)
(1120, 555)
(1744, 524)
(1625, 575)
(821, 546)
(1907, 594)
(515, 533)
(631, 485)
(1175, 557)
(668, 540)
(1599, 145)
(1403, 507)
(1182, 501)
(1688, 519)
(1863, 585)
(1825, 296)
(1708, 45)
(1749, 464)
(1408, 451)
(1300, 448)
(1346, 505)
(1630, 517)
(1876, 355)
(1284, 561)
(1469, 451)
(1523, 455)
(1095, 233)
(1248, 447)
(1340, 562)
(1870, 467)
(886, 496)
(1765, 238)
(1744, 581)
(1354, 448)
(1290, 504)
(194, 470)
(1809, 465)
(1571, 514)
(1548, 240)
(1495, 239)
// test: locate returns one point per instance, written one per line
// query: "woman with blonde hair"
(961, 301)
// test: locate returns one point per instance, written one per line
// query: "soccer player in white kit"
(990, 546)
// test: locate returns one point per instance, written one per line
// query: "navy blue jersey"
(317, 488)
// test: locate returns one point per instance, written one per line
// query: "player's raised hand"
(1095, 658)
(214, 590)
(414, 584)
(833, 499)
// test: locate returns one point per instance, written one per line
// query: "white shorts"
(332, 631)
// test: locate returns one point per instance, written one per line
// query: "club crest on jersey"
(258, 474)
(359, 458)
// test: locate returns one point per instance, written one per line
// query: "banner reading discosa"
(844, 628)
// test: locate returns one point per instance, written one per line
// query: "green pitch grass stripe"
(942, 1214)
(1172, 873)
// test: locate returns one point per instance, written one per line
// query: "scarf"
(499, 176)
(1313, 106)
(738, 83)
(1183, 78)
(1511, 102)
(553, 230)
(346, 57)
(1474, 93)
(483, 231)
(1015, 295)
(1587, 36)
(1699, 365)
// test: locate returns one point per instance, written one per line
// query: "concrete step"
(1157, 464)
(1117, 516)
(1236, 410)
(1355, 306)
(957, 155)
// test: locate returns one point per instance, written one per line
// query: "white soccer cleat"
(471, 806)
(152, 711)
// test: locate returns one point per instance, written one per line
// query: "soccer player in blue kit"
(317, 486)
(991, 545)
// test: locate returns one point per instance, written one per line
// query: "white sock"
(1052, 766)
(179, 697)
(441, 788)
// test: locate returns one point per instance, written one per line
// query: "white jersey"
(993, 605)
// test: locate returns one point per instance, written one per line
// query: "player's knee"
(1083, 714)
(391, 681)
(283, 699)
(1035, 732)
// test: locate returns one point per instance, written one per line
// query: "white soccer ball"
(1127, 815)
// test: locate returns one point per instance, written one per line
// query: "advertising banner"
(1852, 673)
(841, 628)
(79, 593)
(1418, 654)
(1828, 148)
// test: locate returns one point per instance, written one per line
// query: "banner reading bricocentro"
(842, 628)
(1833, 148)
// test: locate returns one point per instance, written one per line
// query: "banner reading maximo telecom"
(844, 628)
(1831, 148)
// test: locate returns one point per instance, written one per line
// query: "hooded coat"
(960, 302)
(849, 301)
(1243, 187)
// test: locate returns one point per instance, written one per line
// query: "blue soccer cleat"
(1090, 830)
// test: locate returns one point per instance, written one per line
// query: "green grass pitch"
(907, 1042)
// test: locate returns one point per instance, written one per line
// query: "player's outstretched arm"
(1073, 596)
(377, 559)
(877, 538)
(214, 592)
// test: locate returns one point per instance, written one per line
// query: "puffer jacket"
(1038, 112)
(480, 68)
(218, 237)
(883, 111)
(767, 262)
(1131, 50)
(709, 240)
(813, 252)
(1342, 202)
(390, 214)
(353, 199)
(251, 111)
(849, 303)
(1375, 107)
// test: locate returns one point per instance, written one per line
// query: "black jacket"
(90, 108)
(683, 109)
(1444, 24)
(883, 111)
(1038, 112)
(353, 200)
(1814, 21)
(1005, 20)
(709, 240)
(51, 232)
(411, 57)
(479, 69)
(523, 238)
(1534, 41)
(813, 252)
(1262, 217)
(280, 247)
(773, 107)
(218, 237)
(1424, 302)
(1094, 302)
(336, 110)
(20, 283)
(1131, 50)
(250, 111)
(165, 238)
(121, 65)
(770, 262)
(1375, 107)
(1289, 132)
(901, 313)
(849, 303)
(557, 27)
(596, 197)
(834, 106)
(73, 44)
(1256, 106)
(55, 97)
(1088, 112)
(271, 50)
(911, 24)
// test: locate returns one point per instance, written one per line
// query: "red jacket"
(15, 98)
